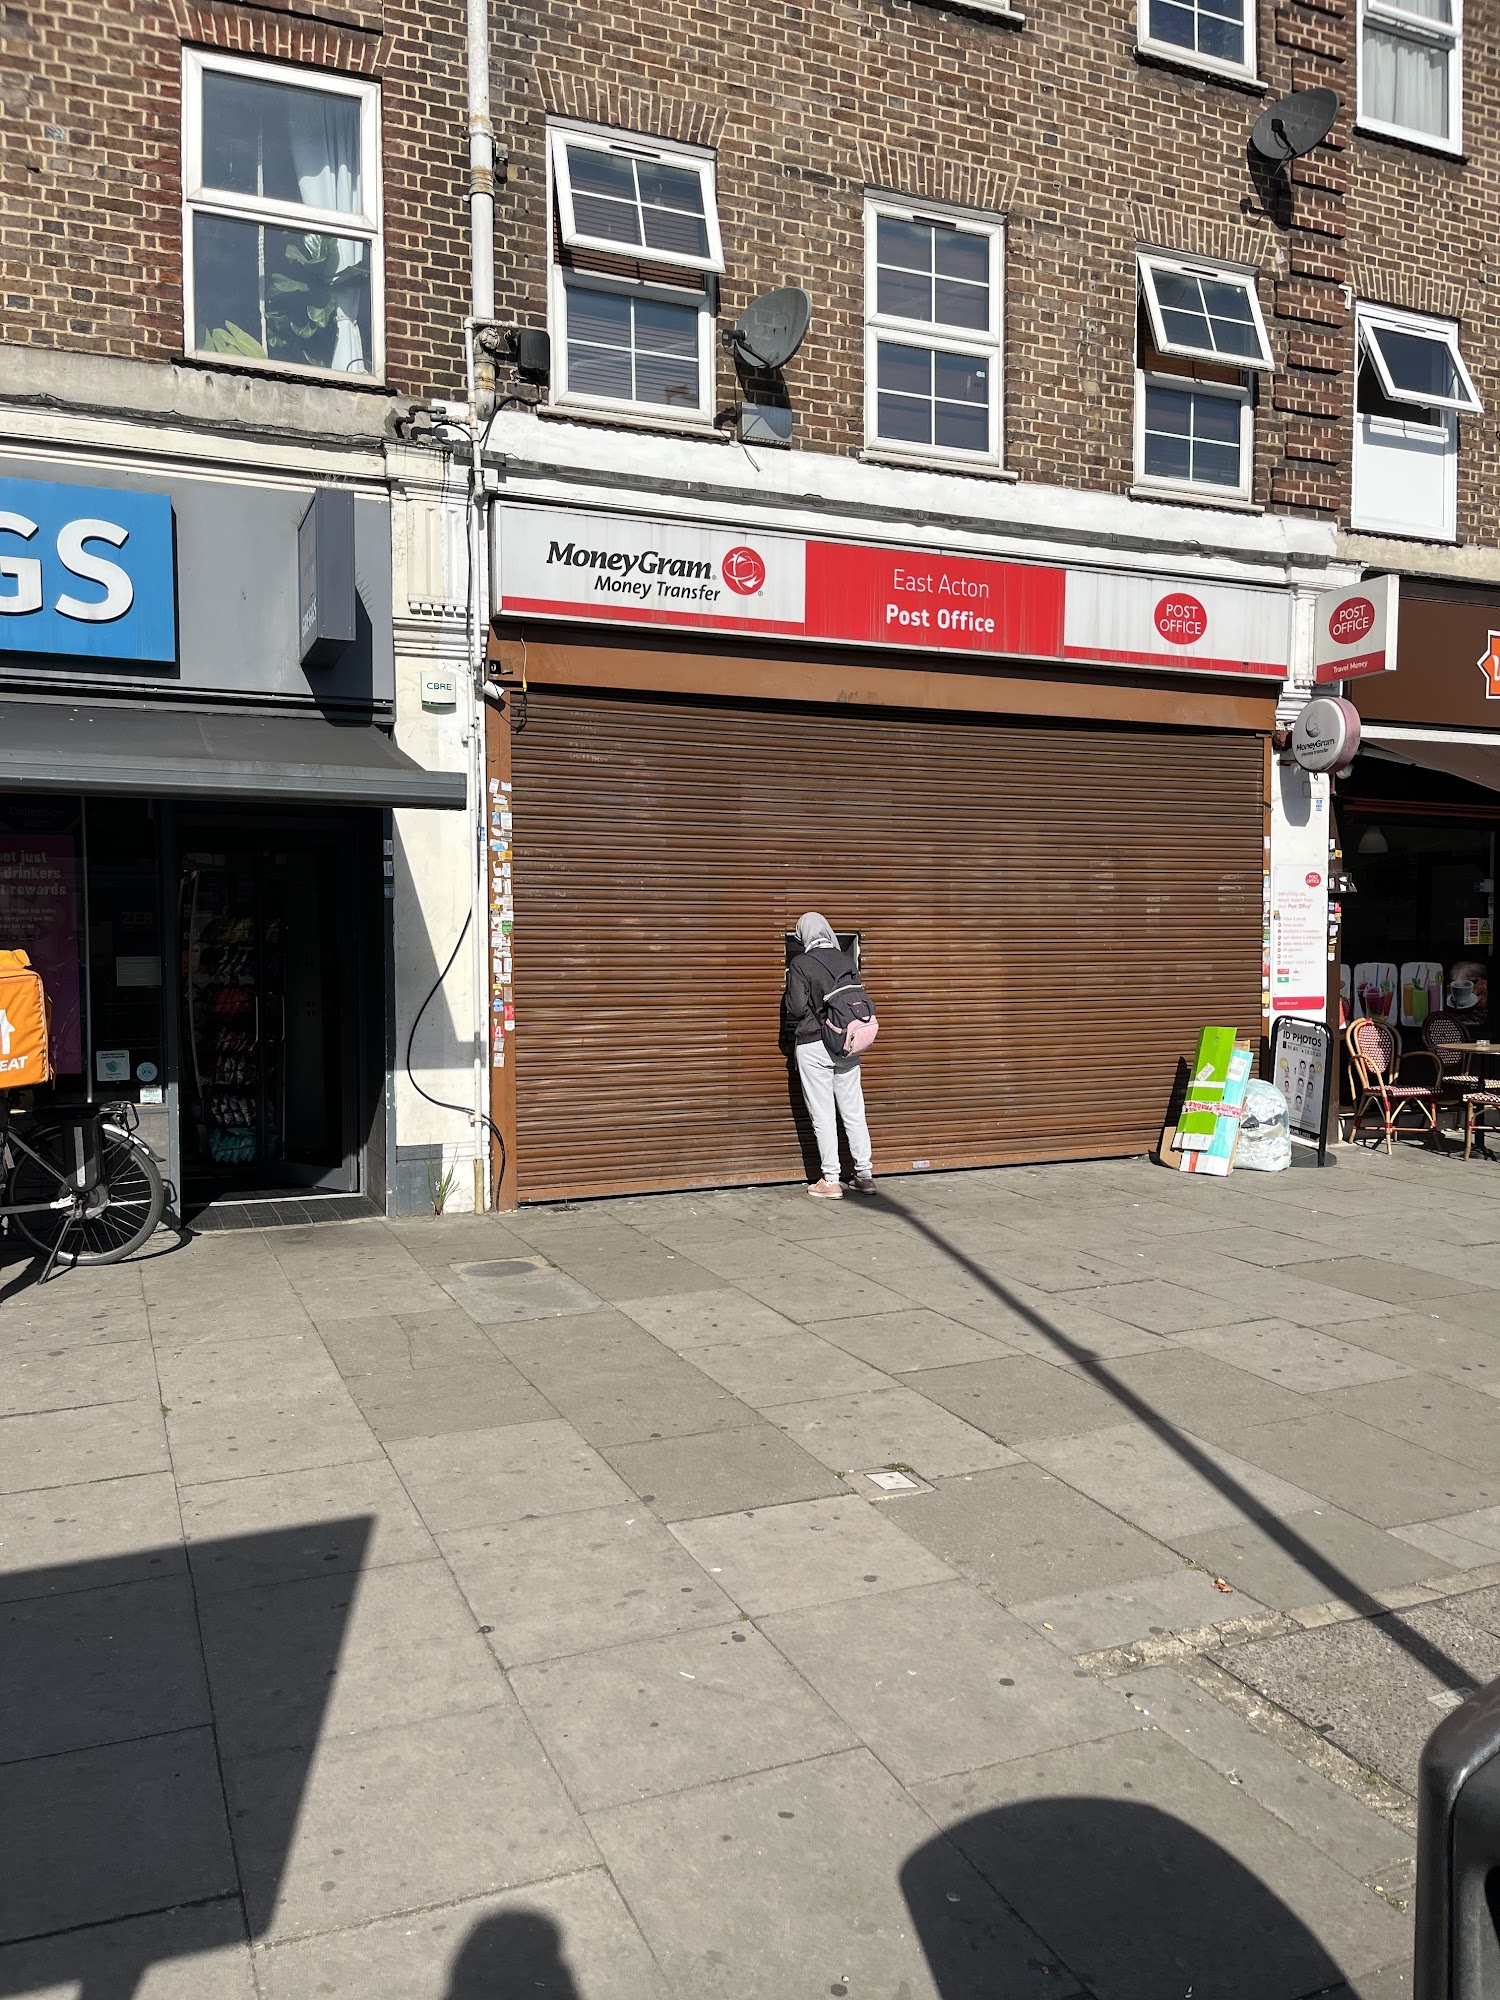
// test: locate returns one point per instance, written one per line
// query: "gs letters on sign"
(86, 571)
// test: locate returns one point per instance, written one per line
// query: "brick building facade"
(236, 253)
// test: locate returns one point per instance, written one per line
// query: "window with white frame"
(1411, 70)
(281, 215)
(1211, 34)
(636, 251)
(932, 333)
(1411, 387)
(1200, 340)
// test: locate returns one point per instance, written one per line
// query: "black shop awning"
(182, 753)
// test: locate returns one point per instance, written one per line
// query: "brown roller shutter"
(1049, 912)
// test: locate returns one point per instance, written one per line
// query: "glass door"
(266, 958)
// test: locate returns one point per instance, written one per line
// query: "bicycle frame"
(86, 1134)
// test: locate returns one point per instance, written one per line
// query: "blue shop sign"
(87, 571)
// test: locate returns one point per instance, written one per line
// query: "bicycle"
(79, 1185)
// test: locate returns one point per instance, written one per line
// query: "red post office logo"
(744, 571)
(1349, 622)
(1181, 619)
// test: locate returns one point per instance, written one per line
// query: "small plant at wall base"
(440, 1185)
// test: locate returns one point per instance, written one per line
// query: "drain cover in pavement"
(506, 1267)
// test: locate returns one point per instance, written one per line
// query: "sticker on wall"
(112, 1065)
(1421, 991)
(146, 1072)
(1375, 989)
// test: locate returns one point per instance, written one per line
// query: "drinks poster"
(39, 915)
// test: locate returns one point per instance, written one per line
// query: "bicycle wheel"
(126, 1209)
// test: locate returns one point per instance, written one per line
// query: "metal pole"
(481, 166)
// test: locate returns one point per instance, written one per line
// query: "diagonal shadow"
(1413, 1643)
(158, 1717)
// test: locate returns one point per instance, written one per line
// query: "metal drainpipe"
(481, 166)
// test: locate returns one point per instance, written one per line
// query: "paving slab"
(1196, 1392)
(1434, 1342)
(1155, 1305)
(1362, 1841)
(789, 1368)
(41, 1378)
(902, 1341)
(1151, 1877)
(250, 1310)
(483, 1477)
(78, 1537)
(1294, 1357)
(660, 1715)
(684, 1320)
(1017, 1398)
(626, 1405)
(753, 1466)
(1457, 1541)
(1375, 1687)
(574, 1582)
(187, 1954)
(1319, 1556)
(472, 1396)
(1442, 1416)
(1380, 1278)
(282, 1526)
(939, 1678)
(811, 1552)
(385, 1344)
(113, 1832)
(1369, 1472)
(1168, 1482)
(529, 1295)
(88, 1667)
(399, 1819)
(1053, 1327)
(240, 1407)
(889, 1427)
(1114, 1614)
(402, 1643)
(51, 1448)
(795, 1888)
(570, 1938)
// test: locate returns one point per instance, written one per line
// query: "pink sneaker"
(827, 1190)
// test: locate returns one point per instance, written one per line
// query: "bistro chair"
(1476, 1103)
(1375, 1056)
(1445, 1041)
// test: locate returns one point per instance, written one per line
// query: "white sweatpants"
(826, 1084)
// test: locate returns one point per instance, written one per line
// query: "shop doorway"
(269, 1010)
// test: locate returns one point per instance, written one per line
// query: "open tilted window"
(1200, 340)
(1203, 314)
(1411, 387)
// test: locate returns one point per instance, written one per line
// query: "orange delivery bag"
(25, 1057)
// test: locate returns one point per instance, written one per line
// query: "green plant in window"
(306, 298)
(232, 339)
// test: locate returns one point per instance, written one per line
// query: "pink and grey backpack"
(847, 1019)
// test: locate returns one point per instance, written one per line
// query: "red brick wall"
(90, 185)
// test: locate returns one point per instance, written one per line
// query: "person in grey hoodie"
(831, 1086)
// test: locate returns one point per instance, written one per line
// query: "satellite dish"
(771, 328)
(1293, 125)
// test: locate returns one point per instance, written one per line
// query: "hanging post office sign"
(86, 571)
(622, 569)
(1355, 630)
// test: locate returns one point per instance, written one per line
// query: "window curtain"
(324, 135)
(1406, 82)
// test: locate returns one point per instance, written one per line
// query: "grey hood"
(814, 929)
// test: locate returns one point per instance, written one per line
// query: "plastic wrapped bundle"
(1265, 1131)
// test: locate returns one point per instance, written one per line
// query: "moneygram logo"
(744, 571)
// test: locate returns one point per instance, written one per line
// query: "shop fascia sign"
(86, 571)
(674, 576)
(1355, 630)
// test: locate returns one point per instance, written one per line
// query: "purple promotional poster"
(39, 915)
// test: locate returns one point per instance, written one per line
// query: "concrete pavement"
(469, 1609)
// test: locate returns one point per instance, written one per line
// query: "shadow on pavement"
(148, 1707)
(515, 1956)
(1192, 1454)
(1138, 1905)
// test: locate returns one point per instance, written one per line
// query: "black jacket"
(810, 978)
